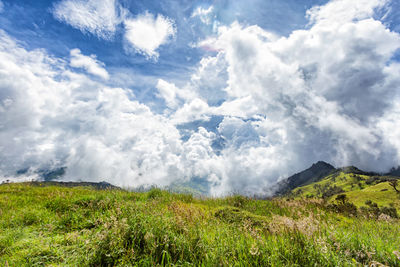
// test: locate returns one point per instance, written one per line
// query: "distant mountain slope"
(355, 170)
(359, 187)
(313, 174)
(98, 186)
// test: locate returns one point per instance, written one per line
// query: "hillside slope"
(359, 187)
(313, 174)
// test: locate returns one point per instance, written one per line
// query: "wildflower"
(384, 217)
(254, 250)
(376, 264)
(397, 253)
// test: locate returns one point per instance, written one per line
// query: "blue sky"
(34, 21)
(237, 93)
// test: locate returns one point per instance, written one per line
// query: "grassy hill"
(313, 174)
(81, 226)
(359, 188)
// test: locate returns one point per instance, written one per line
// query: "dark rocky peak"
(315, 173)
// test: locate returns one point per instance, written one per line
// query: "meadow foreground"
(82, 226)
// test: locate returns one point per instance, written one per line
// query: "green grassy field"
(55, 226)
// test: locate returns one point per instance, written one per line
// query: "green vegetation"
(358, 189)
(85, 227)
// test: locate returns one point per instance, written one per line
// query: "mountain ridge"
(319, 171)
(312, 174)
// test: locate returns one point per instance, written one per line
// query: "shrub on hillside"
(154, 193)
(372, 210)
(238, 216)
(238, 201)
(331, 191)
(390, 211)
(342, 205)
(372, 180)
(394, 184)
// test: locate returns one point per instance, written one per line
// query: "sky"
(235, 94)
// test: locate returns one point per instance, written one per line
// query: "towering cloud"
(53, 117)
(258, 108)
(330, 83)
(329, 92)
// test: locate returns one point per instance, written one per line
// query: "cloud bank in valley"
(258, 109)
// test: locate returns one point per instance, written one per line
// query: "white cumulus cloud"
(168, 92)
(329, 83)
(52, 117)
(341, 11)
(172, 95)
(143, 34)
(89, 63)
(261, 108)
(147, 32)
(326, 93)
